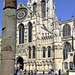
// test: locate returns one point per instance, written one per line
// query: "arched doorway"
(20, 62)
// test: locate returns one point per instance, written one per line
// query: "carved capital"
(11, 3)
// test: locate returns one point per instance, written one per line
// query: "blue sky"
(64, 9)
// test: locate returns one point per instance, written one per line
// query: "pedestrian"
(20, 71)
(17, 68)
(25, 71)
(35, 71)
(49, 73)
(16, 73)
(59, 71)
(56, 72)
(31, 72)
(52, 72)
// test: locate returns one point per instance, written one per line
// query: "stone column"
(0, 63)
(8, 47)
(9, 25)
(7, 60)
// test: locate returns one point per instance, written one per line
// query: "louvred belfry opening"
(10, 3)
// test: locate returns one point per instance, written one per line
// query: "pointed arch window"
(49, 51)
(44, 51)
(34, 7)
(29, 52)
(66, 49)
(43, 6)
(30, 33)
(33, 52)
(66, 30)
(21, 34)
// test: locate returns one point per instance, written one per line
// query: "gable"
(24, 13)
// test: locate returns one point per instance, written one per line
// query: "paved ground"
(40, 74)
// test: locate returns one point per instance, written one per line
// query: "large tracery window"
(66, 30)
(66, 49)
(43, 6)
(34, 7)
(33, 52)
(29, 52)
(49, 51)
(30, 33)
(44, 51)
(21, 34)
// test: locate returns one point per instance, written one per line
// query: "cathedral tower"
(47, 7)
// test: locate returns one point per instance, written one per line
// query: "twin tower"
(48, 7)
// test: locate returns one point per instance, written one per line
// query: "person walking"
(35, 71)
(16, 73)
(25, 72)
(56, 72)
(49, 73)
(52, 72)
(20, 71)
(59, 71)
(31, 72)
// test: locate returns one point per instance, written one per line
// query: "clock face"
(21, 14)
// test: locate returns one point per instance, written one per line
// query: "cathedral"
(43, 42)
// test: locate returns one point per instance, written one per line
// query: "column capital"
(11, 3)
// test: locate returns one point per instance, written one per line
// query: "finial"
(72, 16)
(59, 19)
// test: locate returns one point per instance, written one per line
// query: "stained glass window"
(66, 30)
(33, 52)
(34, 7)
(43, 5)
(21, 34)
(44, 50)
(30, 33)
(49, 51)
(29, 52)
(66, 49)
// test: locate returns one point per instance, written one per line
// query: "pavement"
(40, 74)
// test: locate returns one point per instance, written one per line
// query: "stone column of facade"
(8, 47)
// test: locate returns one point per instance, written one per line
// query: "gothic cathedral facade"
(43, 42)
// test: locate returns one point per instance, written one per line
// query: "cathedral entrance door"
(20, 62)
